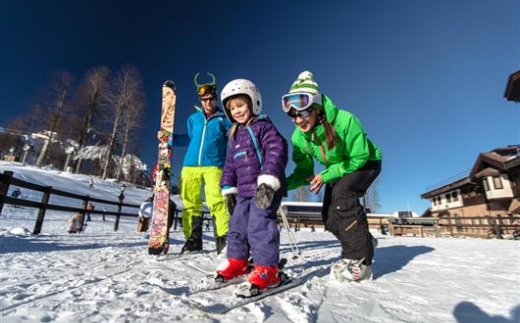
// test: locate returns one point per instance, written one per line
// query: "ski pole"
(292, 240)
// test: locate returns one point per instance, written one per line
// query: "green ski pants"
(192, 180)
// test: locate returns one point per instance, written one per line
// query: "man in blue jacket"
(203, 163)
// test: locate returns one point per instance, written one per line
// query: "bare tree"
(302, 194)
(56, 104)
(125, 87)
(131, 120)
(371, 200)
(89, 99)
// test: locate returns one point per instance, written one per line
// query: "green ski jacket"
(353, 149)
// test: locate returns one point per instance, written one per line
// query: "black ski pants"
(345, 217)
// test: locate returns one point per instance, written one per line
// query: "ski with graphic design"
(226, 300)
(212, 282)
(159, 234)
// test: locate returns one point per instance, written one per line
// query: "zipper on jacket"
(257, 150)
(202, 140)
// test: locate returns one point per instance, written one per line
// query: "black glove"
(231, 202)
(264, 196)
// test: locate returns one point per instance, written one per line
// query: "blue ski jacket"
(206, 139)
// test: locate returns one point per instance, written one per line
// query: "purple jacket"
(254, 150)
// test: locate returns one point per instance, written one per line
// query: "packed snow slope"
(106, 276)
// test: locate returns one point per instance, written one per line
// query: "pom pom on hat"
(305, 83)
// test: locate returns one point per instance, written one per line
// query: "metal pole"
(292, 240)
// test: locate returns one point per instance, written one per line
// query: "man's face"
(209, 103)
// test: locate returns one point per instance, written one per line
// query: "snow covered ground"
(107, 276)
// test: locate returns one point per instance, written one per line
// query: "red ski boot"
(231, 268)
(264, 277)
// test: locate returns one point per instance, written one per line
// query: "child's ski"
(221, 303)
(159, 234)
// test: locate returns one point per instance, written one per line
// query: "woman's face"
(239, 109)
(305, 120)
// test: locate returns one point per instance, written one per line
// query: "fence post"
(175, 220)
(436, 228)
(4, 188)
(449, 226)
(41, 212)
(498, 227)
(121, 197)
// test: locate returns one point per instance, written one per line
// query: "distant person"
(208, 222)
(516, 233)
(144, 215)
(17, 192)
(206, 140)
(337, 140)
(75, 223)
(253, 183)
(90, 208)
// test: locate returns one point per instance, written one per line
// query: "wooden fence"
(483, 226)
(7, 179)
(474, 226)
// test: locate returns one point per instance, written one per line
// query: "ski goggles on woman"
(206, 89)
(299, 101)
(304, 114)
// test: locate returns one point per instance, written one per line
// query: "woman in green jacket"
(336, 139)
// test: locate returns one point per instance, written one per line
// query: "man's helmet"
(207, 88)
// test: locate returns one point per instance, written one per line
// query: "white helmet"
(242, 86)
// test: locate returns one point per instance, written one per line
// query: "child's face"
(239, 109)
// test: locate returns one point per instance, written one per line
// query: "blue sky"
(426, 78)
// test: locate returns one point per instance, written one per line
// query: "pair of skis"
(159, 235)
(208, 298)
(212, 302)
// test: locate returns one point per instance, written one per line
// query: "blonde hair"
(245, 97)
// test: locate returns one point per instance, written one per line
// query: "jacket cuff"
(229, 191)
(270, 180)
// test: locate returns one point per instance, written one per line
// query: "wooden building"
(489, 195)
(513, 87)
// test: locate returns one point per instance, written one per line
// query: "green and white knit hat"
(305, 83)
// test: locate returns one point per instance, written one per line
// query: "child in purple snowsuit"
(253, 182)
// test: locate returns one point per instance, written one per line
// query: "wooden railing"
(479, 226)
(7, 179)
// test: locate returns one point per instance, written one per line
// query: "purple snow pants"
(254, 232)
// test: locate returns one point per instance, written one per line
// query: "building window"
(454, 196)
(486, 185)
(497, 182)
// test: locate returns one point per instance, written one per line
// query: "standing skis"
(159, 236)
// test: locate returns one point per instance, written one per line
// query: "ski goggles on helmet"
(299, 101)
(206, 89)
